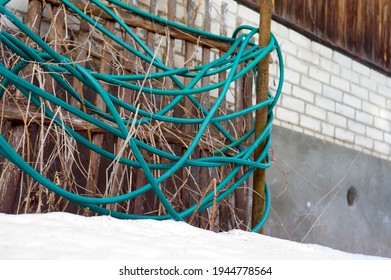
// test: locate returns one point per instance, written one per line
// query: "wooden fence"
(75, 168)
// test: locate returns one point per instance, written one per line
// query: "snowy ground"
(69, 237)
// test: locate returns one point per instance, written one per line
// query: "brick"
(368, 83)
(215, 25)
(279, 29)
(273, 83)
(342, 60)
(179, 61)
(285, 124)
(332, 93)
(381, 124)
(330, 66)
(277, 122)
(286, 88)
(231, 21)
(349, 75)
(370, 108)
(344, 110)
(328, 129)
(316, 112)
(245, 13)
(180, 12)
(378, 77)
(309, 132)
(339, 83)
(363, 141)
(162, 8)
(325, 103)
(375, 133)
(292, 76)
(178, 46)
(308, 56)
(231, 26)
(21, 5)
(303, 94)
(319, 135)
(387, 138)
(388, 104)
(344, 135)
(310, 123)
(288, 47)
(364, 117)
(299, 39)
(296, 64)
(377, 99)
(359, 91)
(360, 68)
(356, 127)
(348, 145)
(230, 97)
(297, 128)
(384, 90)
(319, 75)
(382, 148)
(287, 115)
(293, 104)
(337, 120)
(385, 114)
(353, 101)
(311, 84)
(322, 50)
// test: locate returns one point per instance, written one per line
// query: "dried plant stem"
(206, 191)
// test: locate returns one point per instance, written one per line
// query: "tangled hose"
(242, 57)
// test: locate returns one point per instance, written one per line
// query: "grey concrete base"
(329, 195)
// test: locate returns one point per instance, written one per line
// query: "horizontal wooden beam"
(135, 20)
(17, 113)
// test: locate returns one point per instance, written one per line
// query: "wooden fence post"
(265, 13)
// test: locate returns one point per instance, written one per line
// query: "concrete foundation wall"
(330, 195)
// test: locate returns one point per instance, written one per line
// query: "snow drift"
(68, 236)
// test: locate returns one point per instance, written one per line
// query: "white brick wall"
(345, 102)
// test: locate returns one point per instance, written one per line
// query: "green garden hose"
(242, 57)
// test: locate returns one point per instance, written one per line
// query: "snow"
(64, 236)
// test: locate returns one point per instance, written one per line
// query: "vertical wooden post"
(265, 12)
(11, 184)
(97, 138)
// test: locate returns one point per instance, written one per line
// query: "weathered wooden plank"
(10, 178)
(224, 213)
(190, 194)
(97, 138)
(148, 202)
(10, 183)
(340, 23)
(169, 186)
(370, 28)
(357, 28)
(122, 179)
(382, 23)
(205, 173)
(387, 39)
